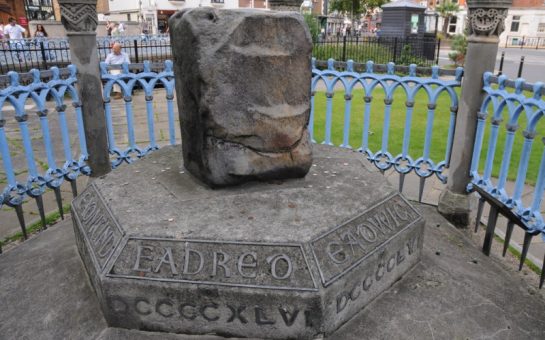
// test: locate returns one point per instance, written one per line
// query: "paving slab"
(455, 292)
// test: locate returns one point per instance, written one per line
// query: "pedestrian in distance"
(40, 37)
(40, 33)
(117, 57)
(16, 33)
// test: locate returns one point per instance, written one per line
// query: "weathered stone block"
(243, 88)
(286, 259)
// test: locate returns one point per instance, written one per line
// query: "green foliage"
(447, 9)
(417, 130)
(356, 7)
(313, 26)
(360, 53)
(406, 57)
(459, 47)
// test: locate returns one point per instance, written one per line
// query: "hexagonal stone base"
(287, 259)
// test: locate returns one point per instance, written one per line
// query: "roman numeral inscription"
(260, 265)
(101, 231)
(342, 248)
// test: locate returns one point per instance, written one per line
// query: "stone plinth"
(285, 259)
(243, 87)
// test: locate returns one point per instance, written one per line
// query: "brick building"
(525, 23)
(12, 9)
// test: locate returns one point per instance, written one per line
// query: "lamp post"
(485, 24)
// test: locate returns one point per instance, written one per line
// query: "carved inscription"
(344, 247)
(383, 269)
(212, 312)
(101, 231)
(225, 263)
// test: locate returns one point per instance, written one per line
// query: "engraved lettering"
(353, 295)
(165, 312)
(392, 217)
(334, 249)
(237, 314)
(119, 305)
(105, 242)
(204, 313)
(187, 256)
(380, 272)
(89, 212)
(261, 318)
(349, 243)
(367, 283)
(391, 263)
(139, 256)
(383, 216)
(400, 256)
(182, 309)
(242, 263)
(273, 260)
(342, 301)
(101, 232)
(97, 222)
(142, 306)
(382, 268)
(222, 262)
(411, 245)
(288, 317)
(167, 259)
(234, 264)
(367, 233)
(402, 212)
(351, 240)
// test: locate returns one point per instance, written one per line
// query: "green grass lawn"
(418, 129)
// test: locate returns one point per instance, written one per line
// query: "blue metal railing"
(515, 109)
(148, 80)
(347, 81)
(126, 145)
(39, 136)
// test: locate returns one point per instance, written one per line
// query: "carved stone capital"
(486, 19)
(79, 15)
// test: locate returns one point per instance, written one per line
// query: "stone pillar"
(79, 18)
(485, 23)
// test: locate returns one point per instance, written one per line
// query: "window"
(39, 10)
(541, 27)
(515, 23)
(452, 24)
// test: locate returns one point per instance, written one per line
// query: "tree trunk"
(445, 25)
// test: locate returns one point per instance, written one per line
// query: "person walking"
(40, 33)
(40, 36)
(109, 27)
(117, 57)
(15, 33)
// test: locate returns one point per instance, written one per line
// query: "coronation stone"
(243, 87)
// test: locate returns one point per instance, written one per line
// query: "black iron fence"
(422, 51)
(26, 54)
(515, 41)
(23, 55)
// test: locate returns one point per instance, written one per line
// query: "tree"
(313, 26)
(356, 7)
(446, 10)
